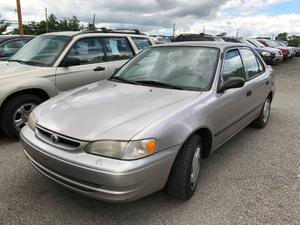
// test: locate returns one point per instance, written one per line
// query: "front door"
(230, 114)
(91, 67)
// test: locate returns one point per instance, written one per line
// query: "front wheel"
(264, 116)
(15, 113)
(184, 175)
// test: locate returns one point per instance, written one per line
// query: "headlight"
(32, 121)
(266, 54)
(122, 149)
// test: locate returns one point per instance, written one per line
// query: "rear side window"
(252, 64)
(88, 51)
(141, 43)
(233, 66)
(117, 48)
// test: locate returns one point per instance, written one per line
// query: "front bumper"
(277, 58)
(99, 177)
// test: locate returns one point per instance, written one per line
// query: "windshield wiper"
(158, 83)
(32, 63)
(115, 78)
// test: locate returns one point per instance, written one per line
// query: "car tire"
(263, 118)
(15, 113)
(182, 181)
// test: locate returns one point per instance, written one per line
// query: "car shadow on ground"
(5, 140)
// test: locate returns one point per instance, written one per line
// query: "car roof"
(78, 33)
(214, 44)
(10, 37)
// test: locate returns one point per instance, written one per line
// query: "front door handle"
(99, 68)
(249, 93)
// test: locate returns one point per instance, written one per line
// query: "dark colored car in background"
(273, 44)
(269, 55)
(10, 44)
(197, 37)
(276, 54)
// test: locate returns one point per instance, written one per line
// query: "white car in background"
(56, 62)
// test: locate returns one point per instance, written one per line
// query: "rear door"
(257, 79)
(92, 67)
(118, 51)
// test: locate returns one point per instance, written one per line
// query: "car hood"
(109, 110)
(269, 49)
(11, 70)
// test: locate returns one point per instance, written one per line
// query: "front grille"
(273, 54)
(56, 139)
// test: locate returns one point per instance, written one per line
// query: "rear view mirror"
(232, 82)
(70, 61)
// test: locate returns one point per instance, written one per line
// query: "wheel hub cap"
(266, 111)
(195, 167)
(22, 114)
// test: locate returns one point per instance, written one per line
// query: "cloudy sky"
(249, 17)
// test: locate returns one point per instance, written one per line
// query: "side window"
(88, 51)
(251, 63)
(117, 48)
(141, 43)
(233, 66)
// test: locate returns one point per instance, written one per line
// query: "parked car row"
(128, 123)
(56, 62)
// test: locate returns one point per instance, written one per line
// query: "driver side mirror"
(232, 82)
(70, 61)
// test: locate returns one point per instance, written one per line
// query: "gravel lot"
(252, 179)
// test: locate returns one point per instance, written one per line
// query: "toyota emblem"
(54, 138)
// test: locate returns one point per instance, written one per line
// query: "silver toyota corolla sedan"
(148, 126)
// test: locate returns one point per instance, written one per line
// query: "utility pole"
(237, 33)
(174, 29)
(46, 15)
(19, 12)
(94, 18)
(203, 30)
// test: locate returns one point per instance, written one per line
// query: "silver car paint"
(170, 116)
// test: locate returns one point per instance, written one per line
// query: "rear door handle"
(99, 68)
(249, 93)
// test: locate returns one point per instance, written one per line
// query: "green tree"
(282, 36)
(294, 41)
(3, 26)
(54, 24)
(91, 26)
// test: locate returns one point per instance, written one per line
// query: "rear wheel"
(16, 111)
(264, 116)
(184, 175)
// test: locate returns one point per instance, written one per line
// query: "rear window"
(141, 43)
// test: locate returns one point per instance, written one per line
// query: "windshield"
(43, 50)
(256, 43)
(272, 44)
(189, 68)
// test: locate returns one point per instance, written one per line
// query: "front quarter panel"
(10, 87)
(175, 127)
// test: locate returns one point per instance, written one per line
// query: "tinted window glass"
(141, 43)
(233, 66)
(88, 50)
(117, 48)
(250, 62)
